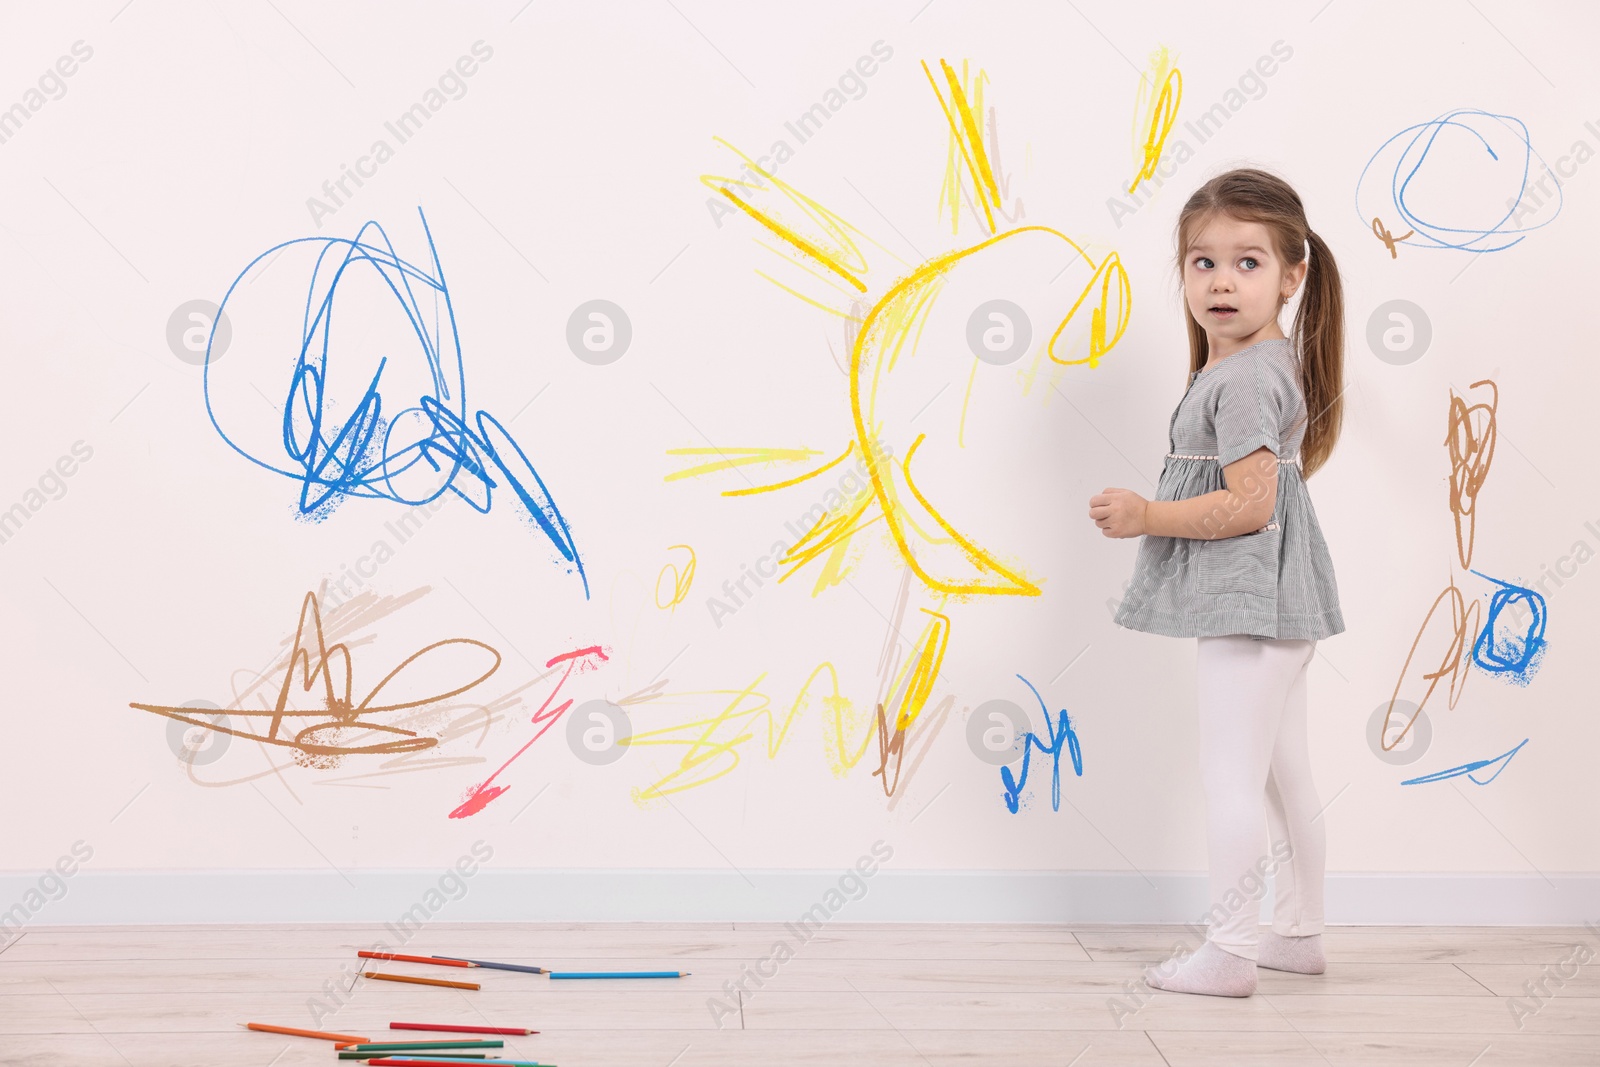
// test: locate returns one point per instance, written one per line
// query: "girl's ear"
(1295, 277)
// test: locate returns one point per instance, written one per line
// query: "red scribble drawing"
(479, 796)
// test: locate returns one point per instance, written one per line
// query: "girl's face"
(1235, 283)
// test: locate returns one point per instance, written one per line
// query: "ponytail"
(1319, 336)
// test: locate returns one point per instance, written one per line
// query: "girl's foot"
(1212, 970)
(1303, 955)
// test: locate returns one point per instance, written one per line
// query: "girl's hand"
(1118, 512)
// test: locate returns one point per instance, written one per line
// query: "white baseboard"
(687, 895)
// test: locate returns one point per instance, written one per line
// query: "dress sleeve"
(1250, 410)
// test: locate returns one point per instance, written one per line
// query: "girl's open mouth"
(1224, 313)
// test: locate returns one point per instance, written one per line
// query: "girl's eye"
(1202, 261)
(1249, 259)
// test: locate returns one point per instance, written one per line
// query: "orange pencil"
(419, 981)
(412, 959)
(347, 1038)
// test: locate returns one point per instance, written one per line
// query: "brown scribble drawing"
(894, 745)
(897, 693)
(1456, 640)
(325, 673)
(1471, 452)
(343, 622)
(1390, 241)
(1470, 435)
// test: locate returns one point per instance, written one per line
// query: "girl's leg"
(1244, 688)
(1292, 819)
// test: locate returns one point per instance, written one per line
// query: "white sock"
(1303, 955)
(1212, 970)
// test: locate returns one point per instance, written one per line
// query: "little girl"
(1232, 555)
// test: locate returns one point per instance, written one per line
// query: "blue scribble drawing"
(338, 448)
(1468, 768)
(1060, 734)
(1501, 649)
(1460, 181)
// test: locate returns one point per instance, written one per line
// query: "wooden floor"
(879, 994)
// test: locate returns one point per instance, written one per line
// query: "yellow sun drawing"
(1084, 325)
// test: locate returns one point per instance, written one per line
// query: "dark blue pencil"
(494, 966)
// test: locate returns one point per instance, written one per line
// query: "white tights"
(1253, 748)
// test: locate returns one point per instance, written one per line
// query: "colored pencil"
(420, 1046)
(618, 974)
(451, 1056)
(452, 1029)
(496, 966)
(393, 1062)
(265, 1028)
(442, 961)
(419, 981)
(463, 1057)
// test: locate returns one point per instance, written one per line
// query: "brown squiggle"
(1471, 452)
(1464, 623)
(896, 746)
(318, 744)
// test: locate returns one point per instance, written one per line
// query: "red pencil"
(411, 959)
(444, 1028)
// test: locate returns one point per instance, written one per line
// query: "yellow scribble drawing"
(1083, 319)
(681, 580)
(1155, 113)
(711, 745)
(977, 180)
(729, 458)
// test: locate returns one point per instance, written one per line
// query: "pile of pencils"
(447, 1053)
(454, 1053)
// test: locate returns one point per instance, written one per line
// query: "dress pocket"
(1246, 563)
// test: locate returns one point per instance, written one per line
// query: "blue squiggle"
(1430, 232)
(358, 457)
(1060, 734)
(1467, 768)
(1500, 650)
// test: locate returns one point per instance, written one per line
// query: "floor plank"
(868, 993)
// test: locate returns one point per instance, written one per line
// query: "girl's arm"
(1244, 507)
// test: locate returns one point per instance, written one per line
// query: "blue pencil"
(618, 974)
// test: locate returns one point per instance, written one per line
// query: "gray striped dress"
(1273, 582)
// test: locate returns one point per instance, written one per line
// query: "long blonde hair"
(1252, 195)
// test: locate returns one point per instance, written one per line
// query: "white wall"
(167, 568)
